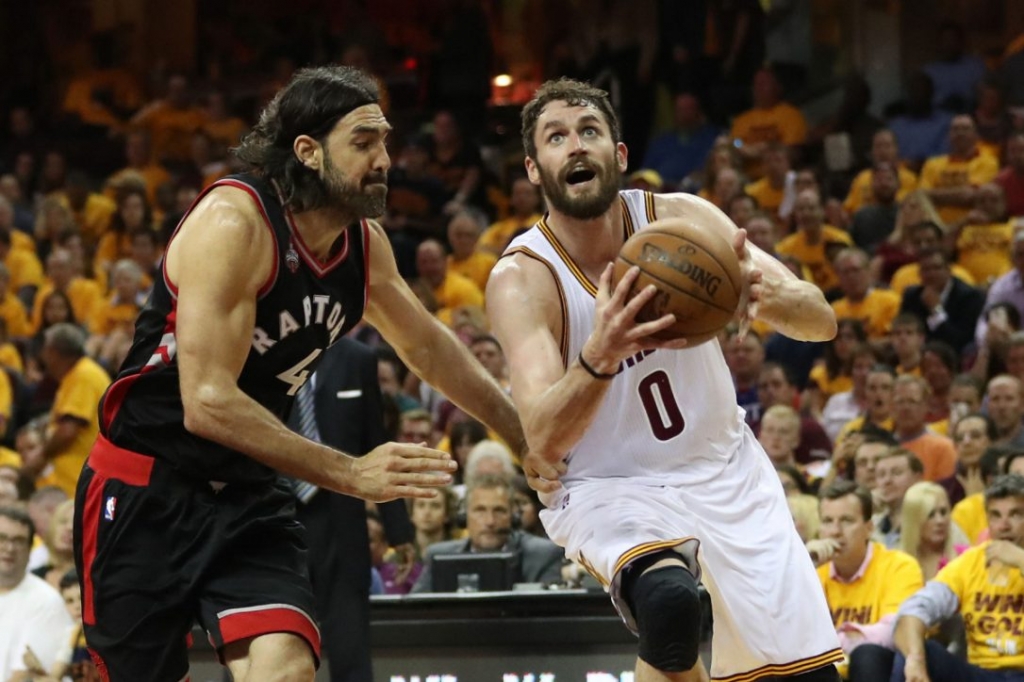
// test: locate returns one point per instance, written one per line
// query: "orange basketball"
(696, 272)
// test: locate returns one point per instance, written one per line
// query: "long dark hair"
(311, 104)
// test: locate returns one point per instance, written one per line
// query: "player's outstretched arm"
(221, 257)
(795, 308)
(430, 349)
(557, 403)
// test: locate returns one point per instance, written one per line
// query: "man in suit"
(489, 512)
(347, 414)
(948, 306)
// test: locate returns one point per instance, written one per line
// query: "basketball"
(696, 272)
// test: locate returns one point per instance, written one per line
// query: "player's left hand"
(1004, 552)
(751, 282)
(542, 475)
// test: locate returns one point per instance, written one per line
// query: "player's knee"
(299, 669)
(666, 605)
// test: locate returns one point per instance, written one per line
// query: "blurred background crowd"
(875, 147)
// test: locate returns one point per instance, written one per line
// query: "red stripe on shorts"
(239, 624)
(90, 529)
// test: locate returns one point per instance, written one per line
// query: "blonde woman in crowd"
(898, 250)
(926, 532)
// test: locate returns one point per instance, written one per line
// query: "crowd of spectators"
(912, 226)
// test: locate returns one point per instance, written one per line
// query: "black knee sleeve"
(667, 609)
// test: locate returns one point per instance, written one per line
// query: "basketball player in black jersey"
(180, 516)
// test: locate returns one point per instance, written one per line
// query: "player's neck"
(320, 229)
(591, 243)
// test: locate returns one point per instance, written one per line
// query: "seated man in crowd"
(489, 522)
(776, 386)
(894, 474)
(985, 586)
(864, 582)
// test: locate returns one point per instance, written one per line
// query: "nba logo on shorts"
(108, 508)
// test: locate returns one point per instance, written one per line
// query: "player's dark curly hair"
(311, 104)
(573, 93)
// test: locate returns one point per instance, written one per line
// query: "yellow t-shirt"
(457, 290)
(969, 514)
(20, 240)
(78, 396)
(114, 313)
(909, 275)
(85, 295)
(946, 172)
(476, 268)
(767, 197)
(861, 194)
(992, 605)
(94, 218)
(171, 130)
(876, 311)
(984, 250)
(11, 358)
(856, 424)
(10, 458)
(829, 387)
(782, 123)
(13, 313)
(496, 237)
(812, 256)
(890, 577)
(25, 268)
(226, 133)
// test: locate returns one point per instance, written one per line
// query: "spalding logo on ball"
(696, 273)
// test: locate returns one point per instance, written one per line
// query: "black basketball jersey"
(304, 308)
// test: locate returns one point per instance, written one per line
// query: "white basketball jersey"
(668, 415)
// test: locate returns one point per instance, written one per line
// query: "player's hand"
(752, 285)
(822, 550)
(542, 475)
(1004, 552)
(394, 470)
(916, 670)
(617, 335)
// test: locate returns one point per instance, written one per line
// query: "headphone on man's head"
(461, 512)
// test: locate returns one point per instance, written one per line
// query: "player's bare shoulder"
(688, 206)
(521, 285)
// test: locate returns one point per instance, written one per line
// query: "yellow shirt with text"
(876, 311)
(813, 255)
(941, 172)
(992, 606)
(890, 577)
(984, 250)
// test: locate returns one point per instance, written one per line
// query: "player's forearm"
(909, 636)
(236, 421)
(797, 309)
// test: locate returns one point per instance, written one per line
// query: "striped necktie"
(307, 427)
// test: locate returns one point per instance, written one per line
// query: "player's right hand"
(542, 475)
(394, 470)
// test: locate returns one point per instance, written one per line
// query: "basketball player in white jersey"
(663, 483)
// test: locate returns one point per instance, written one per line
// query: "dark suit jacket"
(963, 306)
(540, 560)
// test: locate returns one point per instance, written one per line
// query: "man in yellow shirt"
(74, 417)
(451, 290)
(24, 267)
(985, 586)
(875, 308)
(770, 190)
(463, 234)
(810, 242)
(924, 236)
(985, 239)
(85, 294)
(884, 149)
(92, 212)
(525, 204)
(864, 582)
(140, 161)
(12, 310)
(952, 180)
(171, 121)
(770, 120)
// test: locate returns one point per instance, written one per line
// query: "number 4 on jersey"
(297, 374)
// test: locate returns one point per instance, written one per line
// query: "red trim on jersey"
(366, 263)
(114, 398)
(90, 530)
(120, 464)
(237, 184)
(265, 620)
(101, 665)
(319, 269)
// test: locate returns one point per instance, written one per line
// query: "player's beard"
(590, 205)
(365, 200)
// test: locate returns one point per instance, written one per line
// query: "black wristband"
(593, 372)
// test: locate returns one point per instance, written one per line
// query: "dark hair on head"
(787, 372)
(936, 230)
(311, 104)
(69, 579)
(1007, 485)
(20, 517)
(990, 426)
(572, 92)
(945, 354)
(484, 338)
(470, 430)
(117, 220)
(1008, 451)
(834, 365)
(913, 461)
(798, 478)
(908, 320)
(841, 489)
(965, 379)
(926, 253)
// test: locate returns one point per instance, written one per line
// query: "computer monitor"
(473, 572)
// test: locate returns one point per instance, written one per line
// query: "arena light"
(502, 80)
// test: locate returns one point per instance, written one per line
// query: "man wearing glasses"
(32, 613)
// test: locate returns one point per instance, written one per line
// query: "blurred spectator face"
(144, 249)
(776, 163)
(934, 271)
(924, 237)
(529, 517)
(951, 43)
(935, 529)
(415, 431)
(767, 91)
(1015, 361)
(936, 373)
(62, 524)
(177, 92)
(854, 278)
(387, 377)
(54, 170)
(8, 491)
(1006, 519)
(806, 181)
(1005, 406)
(909, 408)
(463, 233)
(6, 215)
(136, 150)
(525, 199)
(843, 520)
(688, 115)
(963, 136)
(966, 396)
(446, 130)
(893, 476)
(773, 388)
(488, 518)
(21, 124)
(878, 390)
(429, 516)
(10, 189)
(885, 183)
(73, 601)
(126, 283)
(1015, 152)
(9, 474)
(133, 211)
(808, 211)
(761, 233)
(745, 357)
(971, 438)
(727, 185)
(991, 201)
(430, 263)
(865, 460)
(779, 437)
(741, 210)
(56, 310)
(378, 541)
(490, 356)
(60, 267)
(14, 551)
(883, 148)
(907, 340)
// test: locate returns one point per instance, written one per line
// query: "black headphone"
(460, 511)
